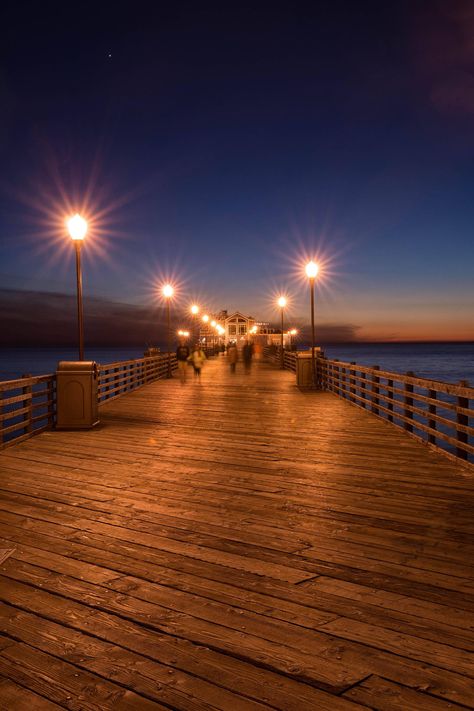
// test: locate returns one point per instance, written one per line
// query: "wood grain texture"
(235, 544)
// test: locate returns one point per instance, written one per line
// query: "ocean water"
(15, 362)
(448, 362)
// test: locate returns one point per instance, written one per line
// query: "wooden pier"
(235, 544)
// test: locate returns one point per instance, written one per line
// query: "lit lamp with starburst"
(167, 292)
(312, 270)
(194, 313)
(282, 303)
(77, 228)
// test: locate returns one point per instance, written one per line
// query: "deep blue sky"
(226, 142)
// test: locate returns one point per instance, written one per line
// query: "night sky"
(221, 145)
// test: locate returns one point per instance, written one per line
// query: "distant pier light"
(194, 309)
(77, 228)
(205, 318)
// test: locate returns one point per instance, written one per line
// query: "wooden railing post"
(363, 390)
(432, 411)
(352, 382)
(408, 400)
(28, 390)
(462, 419)
(390, 399)
(375, 390)
(335, 377)
(1, 421)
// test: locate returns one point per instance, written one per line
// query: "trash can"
(304, 372)
(76, 395)
(151, 352)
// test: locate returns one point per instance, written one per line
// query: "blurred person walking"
(182, 355)
(232, 356)
(247, 353)
(197, 359)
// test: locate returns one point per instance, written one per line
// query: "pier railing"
(437, 413)
(118, 378)
(273, 354)
(27, 407)
(28, 404)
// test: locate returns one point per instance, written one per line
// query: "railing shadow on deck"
(436, 413)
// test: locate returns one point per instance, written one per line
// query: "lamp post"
(293, 332)
(213, 324)
(311, 272)
(194, 311)
(282, 303)
(77, 228)
(205, 319)
(168, 292)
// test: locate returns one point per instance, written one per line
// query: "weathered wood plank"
(60, 684)
(384, 695)
(13, 696)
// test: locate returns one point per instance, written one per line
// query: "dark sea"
(449, 362)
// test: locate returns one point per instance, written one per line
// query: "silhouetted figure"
(247, 353)
(197, 359)
(232, 356)
(182, 355)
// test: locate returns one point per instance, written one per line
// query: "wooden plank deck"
(235, 544)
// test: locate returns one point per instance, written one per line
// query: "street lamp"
(205, 320)
(293, 332)
(168, 292)
(213, 324)
(194, 311)
(311, 272)
(77, 228)
(282, 303)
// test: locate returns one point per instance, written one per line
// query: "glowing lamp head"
(282, 302)
(77, 227)
(213, 324)
(205, 318)
(167, 291)
(293, 331)
(312, 270)
(194, 309)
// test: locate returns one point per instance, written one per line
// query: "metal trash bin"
(304, 373)
(76, 395)
(152, 352)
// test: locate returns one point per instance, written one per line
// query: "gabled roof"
(238, 314)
